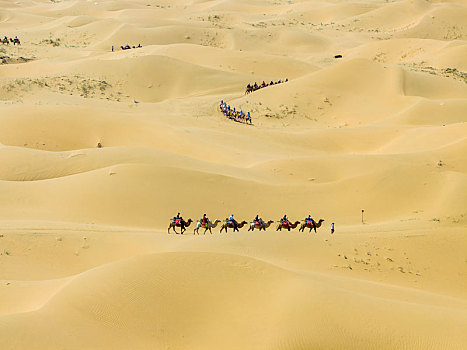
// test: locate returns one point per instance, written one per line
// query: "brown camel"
(206, 227)
(5, 41)
(287, 226)
(179, 223)
(230, 224)
(260, 226)
(311, 225)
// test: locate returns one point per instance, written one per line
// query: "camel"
(248, 90)
(288, 227)
(206, 227)
(312, 225)
(5, 41)
(15, 41)
(261, 226)
(179, 223)
(229, 224)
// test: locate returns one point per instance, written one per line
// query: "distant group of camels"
(253, 87)
(259, 225)
(238, 116)
(7, 41)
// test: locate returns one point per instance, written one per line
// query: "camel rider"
(257, 220)
(286, 221)
(309, 220)
(271, 83)
(204, 220)
(231, 219)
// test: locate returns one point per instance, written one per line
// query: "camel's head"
(244, 222)
(217, 221)
(190, 221)
(297, 222)
(270, 221)
(321, 220)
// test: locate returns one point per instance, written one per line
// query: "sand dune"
(85, 260)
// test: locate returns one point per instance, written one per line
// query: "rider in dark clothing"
(204, 220)
(180, 221)
(284, 219)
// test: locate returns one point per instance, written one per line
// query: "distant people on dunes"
(230, 222)
(233, 114)
(253, 87)
(6, 41)
(128, 47)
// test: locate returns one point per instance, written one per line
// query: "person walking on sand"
(332, 228)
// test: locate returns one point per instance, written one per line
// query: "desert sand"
(85, 258)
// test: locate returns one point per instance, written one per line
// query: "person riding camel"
(286, 222)
(204, 220)
(309, 220)
(232, 221)
(178, 220)
(257, 220)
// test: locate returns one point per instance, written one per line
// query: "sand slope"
(85, 259)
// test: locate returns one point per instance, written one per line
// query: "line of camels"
(13, 41)
(258, 225)
(253, 87)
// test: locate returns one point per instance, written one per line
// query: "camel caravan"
(233, 114)
(15, 41)
(230, 223)
(254, 87)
